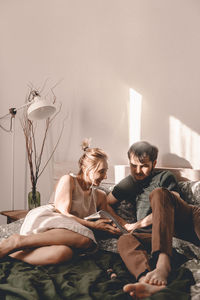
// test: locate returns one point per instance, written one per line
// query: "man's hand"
(106, 225)
(139, 224)
(131, 227)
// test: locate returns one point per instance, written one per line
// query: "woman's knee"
(84, 242)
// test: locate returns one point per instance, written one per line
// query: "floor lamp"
(38, 109)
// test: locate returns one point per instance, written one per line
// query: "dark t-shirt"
(137, 192)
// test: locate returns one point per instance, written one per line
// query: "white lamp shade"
(40, 109)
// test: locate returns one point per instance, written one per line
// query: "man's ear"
(154, 163)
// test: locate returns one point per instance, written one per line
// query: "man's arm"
(130, 227)
(139, 224)
(111, 199)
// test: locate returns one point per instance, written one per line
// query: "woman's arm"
(110, 201)
(63, 194)
(103, 203)
(63, 203)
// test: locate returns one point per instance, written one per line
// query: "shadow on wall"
(184, 142)
(175, 161)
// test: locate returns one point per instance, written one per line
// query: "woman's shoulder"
(67, 179)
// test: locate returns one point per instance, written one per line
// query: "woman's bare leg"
(48, 238)
(44, 255)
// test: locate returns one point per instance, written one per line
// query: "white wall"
(100, 49)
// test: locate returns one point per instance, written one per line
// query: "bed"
(89, 276)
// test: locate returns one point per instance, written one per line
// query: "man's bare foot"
(141, 290)
(9, 245)
(156, 277)
(160, 274)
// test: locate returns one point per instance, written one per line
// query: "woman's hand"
(106, 225)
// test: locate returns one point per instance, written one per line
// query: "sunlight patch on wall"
(135, 109)
(184, 142)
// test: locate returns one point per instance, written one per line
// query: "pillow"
(7, 229)
(190, 191)
(186, 248)
(106, 187)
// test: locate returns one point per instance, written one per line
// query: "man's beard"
(146, 177)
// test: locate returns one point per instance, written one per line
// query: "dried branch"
(43, 86)
(29, 128)
(43, 143)
(32, 135)
(56, 145)
(55, 115)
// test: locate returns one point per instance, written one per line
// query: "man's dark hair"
(142, 150)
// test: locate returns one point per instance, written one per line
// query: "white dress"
(46, 217)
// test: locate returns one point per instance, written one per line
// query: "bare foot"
(156, 277)
(160, 274)
(8, 245)
(141, 290)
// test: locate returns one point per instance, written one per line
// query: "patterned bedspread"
(192, 253)
(186, 255)
(189, 254)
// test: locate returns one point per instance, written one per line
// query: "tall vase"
(33, 199)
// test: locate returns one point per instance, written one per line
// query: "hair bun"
(85, 144)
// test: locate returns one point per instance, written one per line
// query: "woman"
(51, 233)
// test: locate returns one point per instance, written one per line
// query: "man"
(161, 214)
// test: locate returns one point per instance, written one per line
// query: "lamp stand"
(13, 164)
(38, 109)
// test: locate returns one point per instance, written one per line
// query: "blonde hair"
(90, 158)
